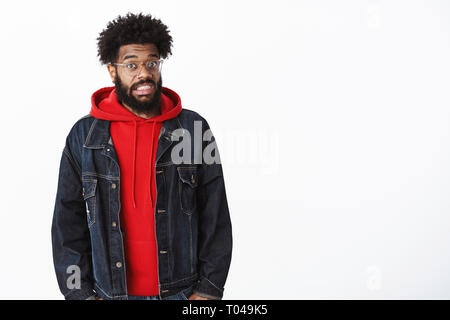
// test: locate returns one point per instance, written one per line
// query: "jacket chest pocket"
(89, 189)
(188, 188)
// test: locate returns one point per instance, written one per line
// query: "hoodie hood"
(106, 106)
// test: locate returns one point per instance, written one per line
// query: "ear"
(112, 72)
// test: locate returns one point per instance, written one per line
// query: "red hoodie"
(136, 140)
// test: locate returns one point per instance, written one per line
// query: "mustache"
(143, 82)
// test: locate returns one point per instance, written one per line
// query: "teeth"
(144, 87)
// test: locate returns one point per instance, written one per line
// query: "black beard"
(147, 107)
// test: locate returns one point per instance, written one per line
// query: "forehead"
(142, 51)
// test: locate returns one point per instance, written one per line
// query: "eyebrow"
(133, 56)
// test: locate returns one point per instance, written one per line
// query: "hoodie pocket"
(188, 188)
(89, 191)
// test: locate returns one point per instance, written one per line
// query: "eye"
(152, 64)
(131, 66)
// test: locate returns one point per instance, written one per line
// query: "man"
(141, 209)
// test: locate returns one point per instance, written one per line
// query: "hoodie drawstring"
(151, 162)
(134, 162)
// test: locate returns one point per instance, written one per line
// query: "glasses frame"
(137, 71)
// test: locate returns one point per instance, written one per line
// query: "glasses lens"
(154, 65)
(133, 67)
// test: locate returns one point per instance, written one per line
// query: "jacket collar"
(99, 135)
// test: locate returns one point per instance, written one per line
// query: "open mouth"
(144, 89)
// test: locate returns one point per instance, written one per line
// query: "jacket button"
(114, 224)
(113, 186)
(119, 264)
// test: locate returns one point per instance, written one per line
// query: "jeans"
(183, 295)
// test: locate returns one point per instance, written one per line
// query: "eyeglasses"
(132, 68)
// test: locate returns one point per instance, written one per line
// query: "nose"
(143, 72)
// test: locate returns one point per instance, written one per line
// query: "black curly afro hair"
(133, 29)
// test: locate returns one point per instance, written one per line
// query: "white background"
(332, 120)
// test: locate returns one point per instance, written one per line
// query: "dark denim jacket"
(192, 222)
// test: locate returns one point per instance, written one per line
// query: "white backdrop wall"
(332, 120)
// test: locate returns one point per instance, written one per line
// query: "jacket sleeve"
(215, 236)
(70, 234)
